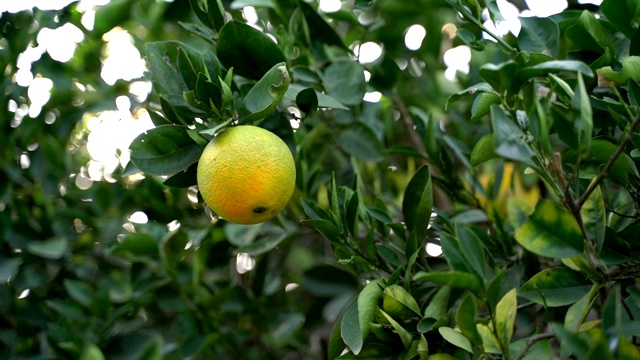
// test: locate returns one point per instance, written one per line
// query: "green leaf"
(345, 80)
(480, 87)
(164, 150)
(577, 312)
(622, 14)
(540, 350)
(490, 343)
(210, 12)
(551, 231)
(162, 57)
(249, 51)
(324, 101)
(324, 227)
(137, 244)
(556, 66)
(509, 140)
(111, 15)
(79, 291)
(53, 248)
(368, 301)
(320, 29)
(630, 70)
(350, 329)
(439, 304)
(307, 101)
(398, 302)
(92, 352)
(589, 34)
(594, 218)
(351, 213)
(263, 97)
(466, 319)
(483, 150)
(455, 338)
(9, 269)
(360, 141)
(328, 280)
(473, 250)
(600, 153)
(555, 287)
(499, 76)
(452, 278)
(584, 115)
(482, 105)
(405, 336)
(505, 317)
(417, 202)
(265, 244)
(539, 35)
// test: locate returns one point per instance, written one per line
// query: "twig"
(594, 184)
(532, 340)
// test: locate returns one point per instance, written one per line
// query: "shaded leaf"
(555, 287)
(164, 150)
(248, 50)
(539, 35)
(455, 338)
(350, 329)
(345, 80)
(505, 317)
(368, 301)
(360, 141)
(551, 231)
(452, 278)
(417, 202)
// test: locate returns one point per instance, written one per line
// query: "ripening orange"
(246, 174)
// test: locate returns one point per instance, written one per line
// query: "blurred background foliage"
(100, 260)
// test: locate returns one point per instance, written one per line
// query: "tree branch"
(594, 184)
(532, 340)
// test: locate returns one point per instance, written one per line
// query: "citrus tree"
(488, 213)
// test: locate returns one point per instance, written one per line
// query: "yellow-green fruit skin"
(246, 174)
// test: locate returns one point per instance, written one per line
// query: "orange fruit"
(246, 174)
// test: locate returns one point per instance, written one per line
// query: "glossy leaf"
(589, 34)
(466, 319)
(417, 202)
(622, 15)
(594, 218)
(398, 302)
(482, 105)
(405, 336)
(499, 76)
(578, 311)
(360, 141)
(345, 80)
(551, 231)
(481, 88)
(505, 317)
(250, 52)
(509, 140)
(455, 338)
(350, 329)
(473, 251)
(368, 301)
(439, 303)
(454, 279)
(539, 35)
(53, 248)
(266, 94)
(162, 57)
(164, 150)
(555, 287)
(584, 115)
